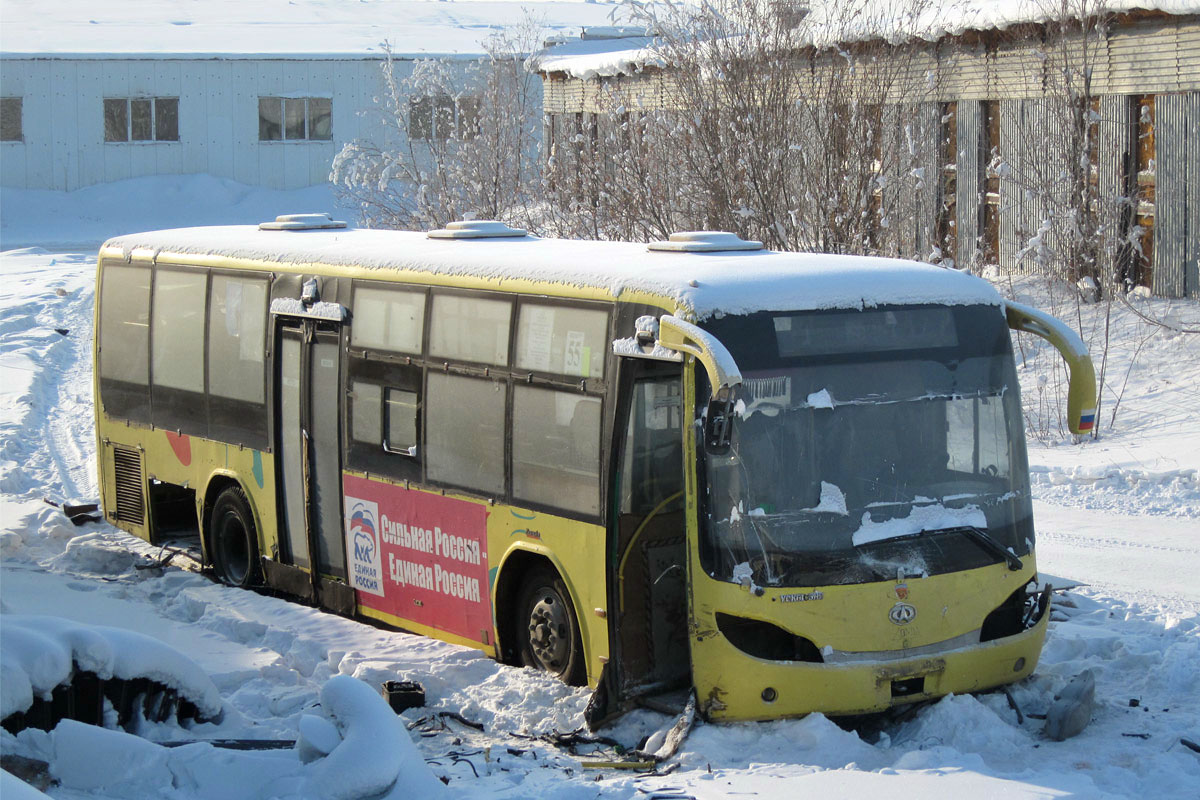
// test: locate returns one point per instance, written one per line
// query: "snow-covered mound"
(42, 652)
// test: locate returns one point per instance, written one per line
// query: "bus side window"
(125, 341)
(473, 329)
(562, 339)
(464, 432)
(236, 337)
(400, 414)
(179, 303)
(384, 411)
(556, 449)
(237, 327)
(387, 319)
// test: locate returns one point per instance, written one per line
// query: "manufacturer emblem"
(902, 591)
(902, 614)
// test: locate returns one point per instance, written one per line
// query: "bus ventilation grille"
(127, 470)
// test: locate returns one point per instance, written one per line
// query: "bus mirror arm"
(723, 374)
(684, 337)
(1081, 394)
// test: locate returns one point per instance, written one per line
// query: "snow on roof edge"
(697, 285)
(612, 57)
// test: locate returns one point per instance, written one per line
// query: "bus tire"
(234, 539)
(547, 628)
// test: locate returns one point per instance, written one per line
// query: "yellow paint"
(855, 619)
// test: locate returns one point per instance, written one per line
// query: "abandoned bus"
(792, 483)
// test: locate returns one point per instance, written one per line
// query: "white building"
(264, 93)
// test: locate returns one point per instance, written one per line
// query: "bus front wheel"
(234, 539)
(547, 629)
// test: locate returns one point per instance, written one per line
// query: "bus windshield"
(869, 445)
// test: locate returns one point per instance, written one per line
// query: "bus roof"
(695, 285)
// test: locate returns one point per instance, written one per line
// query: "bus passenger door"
(308, 438)
(647, 534)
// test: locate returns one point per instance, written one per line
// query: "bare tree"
(458, 139)
(796, 124)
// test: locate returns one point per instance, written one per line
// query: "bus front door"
(647, 535)
(308, 438)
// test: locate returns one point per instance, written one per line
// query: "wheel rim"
(549, 631)
(235, 558)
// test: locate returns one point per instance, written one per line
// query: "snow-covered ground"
(1119, 516)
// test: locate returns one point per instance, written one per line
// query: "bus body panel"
(419, 559)
(730, 685)
(191, 462)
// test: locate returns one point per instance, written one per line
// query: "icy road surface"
(1120, 516)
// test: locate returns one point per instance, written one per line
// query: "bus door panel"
(649, 532)
(326, 449)
(291, 449)
(308, 437)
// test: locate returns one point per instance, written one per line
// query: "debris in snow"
(1072, 708)
(41, 653)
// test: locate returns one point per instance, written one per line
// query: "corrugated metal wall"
(1116, 134)
(1177, 197)
(912, 193)
(969, 166)
(1012, 197)
(63, 120)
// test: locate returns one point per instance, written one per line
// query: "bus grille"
(127, 474)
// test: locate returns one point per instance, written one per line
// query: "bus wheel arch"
(537, 619)
(231, 533)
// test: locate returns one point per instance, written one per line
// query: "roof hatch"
(476, 229)
(301, 222)
(704, 242)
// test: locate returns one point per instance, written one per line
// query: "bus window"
(464, 436)
(400, 410)
(470, 329)
(383, 409)
(177, 346)
(125, 340)
(236, 337)
(566, 340)
(388, 319)
(556, 449)
(366, 412)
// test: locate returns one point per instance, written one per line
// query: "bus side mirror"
(1081, 394)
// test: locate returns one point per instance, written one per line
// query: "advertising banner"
(419, 556)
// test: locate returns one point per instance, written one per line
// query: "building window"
(435, 118)
(10, 119)
(295, 119)
(141, 119)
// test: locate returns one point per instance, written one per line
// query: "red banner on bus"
(419, 556)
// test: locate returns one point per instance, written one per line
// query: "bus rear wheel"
(234, 539)
(547, 629)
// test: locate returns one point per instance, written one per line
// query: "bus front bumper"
(731, 685)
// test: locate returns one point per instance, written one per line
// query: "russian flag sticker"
(1087, 419)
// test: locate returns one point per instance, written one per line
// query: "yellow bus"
(788, 482)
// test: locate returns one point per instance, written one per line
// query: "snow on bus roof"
(699, 285)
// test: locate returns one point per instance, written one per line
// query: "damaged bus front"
(863, 530)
